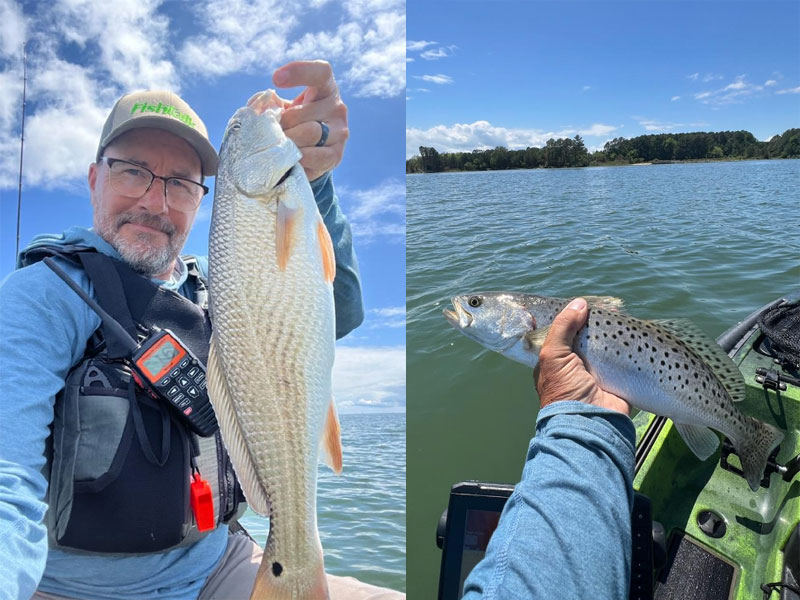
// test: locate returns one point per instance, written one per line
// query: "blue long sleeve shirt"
(44, 328)
(565, 532)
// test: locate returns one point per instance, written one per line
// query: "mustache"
(147, 220)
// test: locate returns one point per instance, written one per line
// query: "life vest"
(119, 462)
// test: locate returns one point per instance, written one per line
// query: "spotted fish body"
(271, 269)
(669, 368)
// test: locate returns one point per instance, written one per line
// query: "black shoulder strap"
(111, 296)
(67, 252)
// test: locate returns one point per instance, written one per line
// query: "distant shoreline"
(610, 164)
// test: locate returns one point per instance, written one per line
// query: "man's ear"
(92, 177)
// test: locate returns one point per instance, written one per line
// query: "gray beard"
(150, 261)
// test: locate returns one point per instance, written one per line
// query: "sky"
(84, 54)
(515, 74)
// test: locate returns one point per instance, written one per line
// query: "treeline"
(571, 152)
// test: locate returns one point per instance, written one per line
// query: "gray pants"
(235, 575)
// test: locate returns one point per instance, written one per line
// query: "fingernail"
(577, 304)
(279, 77)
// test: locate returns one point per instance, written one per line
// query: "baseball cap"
(161, 110)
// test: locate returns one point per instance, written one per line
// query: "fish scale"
(269, 372)
(668, 368)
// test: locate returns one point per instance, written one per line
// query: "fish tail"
(274, 582)
(754, 450)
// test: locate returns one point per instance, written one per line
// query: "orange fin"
(331, 441)
(287, 218)
(326, 246)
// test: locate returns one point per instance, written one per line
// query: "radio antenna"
(21, 142)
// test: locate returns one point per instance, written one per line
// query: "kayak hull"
(757, 525)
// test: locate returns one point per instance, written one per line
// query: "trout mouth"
(458, 318)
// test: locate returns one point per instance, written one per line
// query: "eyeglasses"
(134, 181)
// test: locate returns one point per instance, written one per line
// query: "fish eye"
(474, 301)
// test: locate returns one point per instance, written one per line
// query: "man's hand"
(318, 102)
(561, 374)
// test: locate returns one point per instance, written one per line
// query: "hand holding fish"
(561, 374)
(318, 103)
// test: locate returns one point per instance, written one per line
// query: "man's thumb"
(567, 323)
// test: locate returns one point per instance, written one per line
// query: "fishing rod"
(21, 141)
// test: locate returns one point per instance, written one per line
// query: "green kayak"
(714, 537)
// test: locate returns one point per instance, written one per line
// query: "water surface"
(361, 513)
(710, 242)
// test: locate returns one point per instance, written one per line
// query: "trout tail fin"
(755, 450)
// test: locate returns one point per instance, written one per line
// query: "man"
(565, 532)
(114, 523)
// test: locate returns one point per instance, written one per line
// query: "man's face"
(146, 232)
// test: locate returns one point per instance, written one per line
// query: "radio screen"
(159, 359)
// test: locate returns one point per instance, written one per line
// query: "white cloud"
(377, 212)
(369, 377)
(416, 46)
(392, 311)
(133, 46)
(598, 129)
(440, 79)
(437, 53)
(655, 125)
(12, 29)
(738, 84)
(675, 98)
(243, 35)
(711, 77)
(392, 317)
(693, 76)
(464, 137)
(586, 88)
(738, 91)
(795, 90)
(770, 82)
(67, 101)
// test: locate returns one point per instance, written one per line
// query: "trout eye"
(474, 301)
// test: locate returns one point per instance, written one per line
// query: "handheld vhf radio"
(162, 365)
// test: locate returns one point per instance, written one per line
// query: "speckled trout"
(271, 268)
(669, 368)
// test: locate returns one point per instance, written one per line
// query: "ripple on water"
(709, 242)
(361, 513)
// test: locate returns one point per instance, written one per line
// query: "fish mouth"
(458, 318)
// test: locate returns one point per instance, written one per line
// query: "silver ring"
(325, 131)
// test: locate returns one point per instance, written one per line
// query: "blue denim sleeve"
(347, 284)
(565, 532)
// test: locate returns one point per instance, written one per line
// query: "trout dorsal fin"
(709, 351)
(605, 302)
